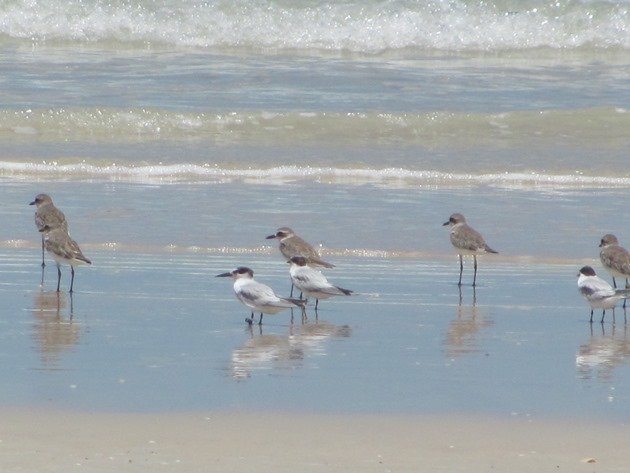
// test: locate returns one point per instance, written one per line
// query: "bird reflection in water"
(53, 331)
(607, 348)
(463, 331)
(283, 353)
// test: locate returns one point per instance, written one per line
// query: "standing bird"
(257, 296)
(47, 217)
(292, 245)
(598, 293)
(64, 250)
(467, 241)
(312, 282)
(615, 259)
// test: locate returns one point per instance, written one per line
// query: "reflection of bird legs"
(302, 313)
(41, 284)
(71, 280)
(461, 298)
(71, 306)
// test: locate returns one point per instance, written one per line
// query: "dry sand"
(45, 441)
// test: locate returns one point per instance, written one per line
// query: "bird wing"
(296, 246)
(255, 294)
(617, 258)
(49, 218)
(60, 243)
(595, 287)
(468, 238)
(309, 279)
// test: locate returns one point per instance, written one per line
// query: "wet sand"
(55, 441)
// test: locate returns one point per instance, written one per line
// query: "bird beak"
(601, 244)
(270, 237)
(224, 275)
(446, 223)
(32, 203)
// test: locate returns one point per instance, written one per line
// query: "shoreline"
(264, 250)
(276, 442)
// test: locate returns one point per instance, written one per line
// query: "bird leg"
(591, 315)
(475, 275)
(58, 276)
(43, 263)
(461, 269)
(72, 279)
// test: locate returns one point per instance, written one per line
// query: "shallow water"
(175, 138)
(149, 328)
(146, 332)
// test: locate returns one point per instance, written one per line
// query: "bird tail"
(321, 262)
(490, 250)
(298, 302)
(623, 292)
(346, 292)
(84, 259)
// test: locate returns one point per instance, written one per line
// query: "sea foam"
(368, 26)
(385, 177)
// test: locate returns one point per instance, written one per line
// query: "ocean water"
(176, 135)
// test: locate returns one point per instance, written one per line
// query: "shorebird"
(64, 250)
(257, 296)
(292, 245)
(312, 282)
(615, 259)
(598, 293)
(47, 217)
(467, 241)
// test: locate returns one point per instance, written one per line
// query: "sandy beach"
(54, 441)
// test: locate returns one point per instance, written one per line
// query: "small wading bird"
(615, 259)
(312, 282)
(598, 293)
(47, 218)
(467, 241)
(257, 296)
(64, 250)
(292, 245)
